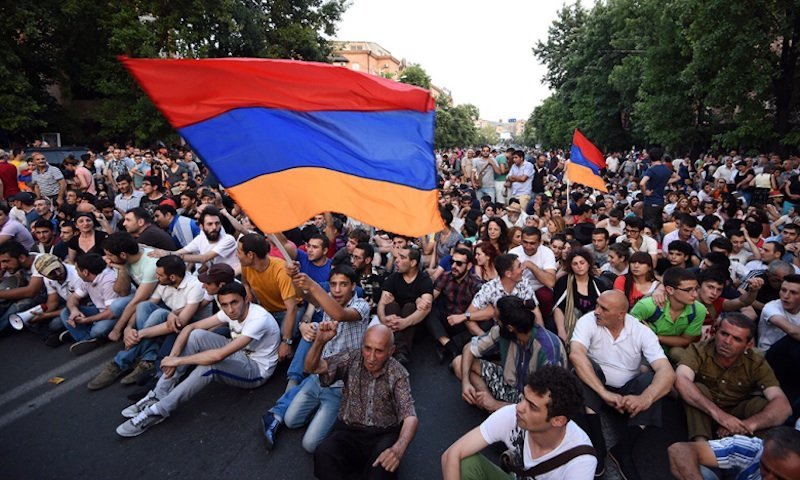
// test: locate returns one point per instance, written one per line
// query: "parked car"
(56, 155)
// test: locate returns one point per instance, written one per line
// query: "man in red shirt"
(8, 177)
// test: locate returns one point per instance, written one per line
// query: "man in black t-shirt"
(406, 300)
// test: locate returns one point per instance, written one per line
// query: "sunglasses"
(458, 263)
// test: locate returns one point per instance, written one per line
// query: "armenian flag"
(290, 139)
(585, 163)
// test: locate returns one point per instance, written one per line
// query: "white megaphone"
(20, 319)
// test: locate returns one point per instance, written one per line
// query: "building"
(368, 57)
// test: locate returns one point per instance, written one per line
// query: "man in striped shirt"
(48, 181)
(182, 229)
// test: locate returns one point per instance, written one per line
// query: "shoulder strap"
(692, 314)
(561, 459)
(655, 316)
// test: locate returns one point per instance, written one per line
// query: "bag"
(548, 465)
(477, 180)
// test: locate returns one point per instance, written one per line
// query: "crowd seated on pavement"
(552, 305)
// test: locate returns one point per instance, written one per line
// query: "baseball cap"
(219, 272)
(25, 197)
(46, 263)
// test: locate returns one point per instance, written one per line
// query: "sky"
(479, 50)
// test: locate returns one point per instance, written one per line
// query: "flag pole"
(567, 212)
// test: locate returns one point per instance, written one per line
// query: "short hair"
(709, 221)
(655, 154)
(413, 253)
(125, 178)
(566, 394)
(91, 261)
(792, 226)
(172, 265)
(512, 312)
(714, 275)
(503, 263)
(792, 278)
(234, 288)
(464, 251)
(322, 238)
(346, 270)
(616, 213)
(70, 160)
(14, 249)
(208, 211)
(167, 209)
(723, 243)
(121, 242)
(719, 259)
(368, 250)
(5, 208)
(153, 180)
(447, 215)
(681, 246)
(600, 231)
(190, 194)
(256, 243)
(42, 223)
(688, 220)
(778, 246)
(735, 233)
(141, 213)
(779, 265)
(675, 275)
(782, 441)
(103, 203)
(360, 234)
(532, 231)
(634, 222)
(739, 319)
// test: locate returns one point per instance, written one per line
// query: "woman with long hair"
(497, 234)
(485, 253)
(88, 240)
(514, 237)
(619, 255)
(640, 281)
(576, 292)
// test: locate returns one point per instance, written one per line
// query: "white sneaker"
(138, 424)
(139, 406)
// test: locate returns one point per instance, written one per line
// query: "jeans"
(148, 314)
(296, 370)
(486, 191)
(279, 316)
(84, 331)
(310, 398)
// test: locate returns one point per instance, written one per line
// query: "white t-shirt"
(71, 283)
(262, 328)
(544, 258)
(619, 358)
(189, 291)
(225, 248)
(501, 426)
(648, 244)
(769, 333)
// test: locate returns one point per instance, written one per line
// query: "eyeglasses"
(632, 230)
(688, 290)
(458, 263)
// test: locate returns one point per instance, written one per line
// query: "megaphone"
(20, 319)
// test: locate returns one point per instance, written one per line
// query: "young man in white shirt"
(535, 430)
(539, 267)
(246, 361)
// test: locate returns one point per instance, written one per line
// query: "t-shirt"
(225, 248)
(407, 292)
(86, 179)
(189, 291)
(144, 270)
(485, 166)
(768, 333)
(663, 325)
(272, 286)
(544, 258)
(8, 175)
(658, 177)
(521, 188)
(17, 232)
(501, 426)
(501, 160)
(739, 454)
(621, 357)
(316, 273)
(153, 236)
(584, 303)
(261, 326)
(71, 284)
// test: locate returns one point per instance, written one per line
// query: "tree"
(416, 75)
(487, 136)
(74, 43)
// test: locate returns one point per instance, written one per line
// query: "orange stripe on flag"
(389, 206)
(585, 176)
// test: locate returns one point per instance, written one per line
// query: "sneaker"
(143, 369)
(138, 424)
(84, 346)
(53, 340)
(624, 462)
(139, 406)
(109, 375)
(270, 425)
(66, 337)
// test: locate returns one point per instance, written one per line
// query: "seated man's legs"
(81, 331)
(450, 339)
(402, 338)
(349, 452)
(148, 314)
(478, 467)
(545, 297)
(296, 372)
(325, 417)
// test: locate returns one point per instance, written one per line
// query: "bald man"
(371, 434)
(606, 349)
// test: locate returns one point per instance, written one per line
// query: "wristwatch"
(287, 341)
(468, 315)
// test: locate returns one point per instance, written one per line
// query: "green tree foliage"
(416, 75)
(73, 44)
(686, 74)
(487, 136)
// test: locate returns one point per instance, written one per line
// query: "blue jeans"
(148, 314)
(279, 316)
(315, 404)
(84, 331)
(296, 370)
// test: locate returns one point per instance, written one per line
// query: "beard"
(214, 235)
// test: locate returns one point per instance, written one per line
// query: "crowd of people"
(551, 303)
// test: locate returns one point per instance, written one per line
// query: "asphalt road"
(64, 431)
